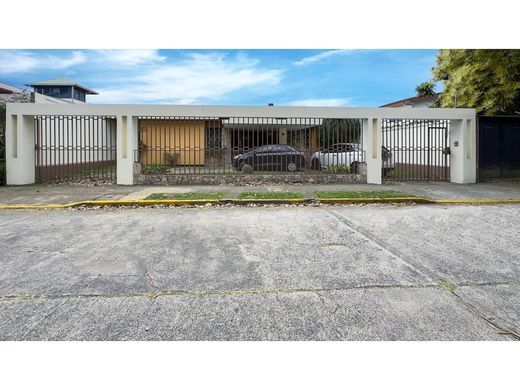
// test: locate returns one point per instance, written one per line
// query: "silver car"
(348, 155)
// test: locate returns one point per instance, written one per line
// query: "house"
(415, 101)
(131, 141)
(6, 89)
(12, 94)
(63, 89)
(198, 142)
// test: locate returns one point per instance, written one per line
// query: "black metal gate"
(75, 148)
(499, 146)
(415, 150)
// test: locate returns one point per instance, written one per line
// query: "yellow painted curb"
(249, 201)
(476, 201)
(375, 200)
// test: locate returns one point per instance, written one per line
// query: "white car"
(347, 155)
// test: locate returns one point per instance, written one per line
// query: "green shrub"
(341, 168)
(155, 169)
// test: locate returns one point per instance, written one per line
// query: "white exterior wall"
(463, 145)
(21, 168)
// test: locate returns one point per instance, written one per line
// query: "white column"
(463, 148)
(126, 147)
(372, 139)
(19, 151)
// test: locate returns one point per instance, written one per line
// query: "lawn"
(360, 194)
(270, 195)
(188, 196)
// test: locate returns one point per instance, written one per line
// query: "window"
(79, 95)
(58, 92)
(213, 137)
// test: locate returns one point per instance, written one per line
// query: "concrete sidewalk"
(63, 193)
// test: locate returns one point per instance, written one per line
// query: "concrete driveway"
(267, 273)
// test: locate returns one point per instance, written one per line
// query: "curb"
(174, 202)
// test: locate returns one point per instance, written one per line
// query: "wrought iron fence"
(233, 145)
(2, 144)
(72, 148)
(415, 149)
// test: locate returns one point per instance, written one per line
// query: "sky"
(346, 77)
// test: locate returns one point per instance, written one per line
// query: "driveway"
(376, 272)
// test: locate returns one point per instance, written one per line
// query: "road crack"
(499, 324)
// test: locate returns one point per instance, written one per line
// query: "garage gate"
(75, 148)
(415, 150)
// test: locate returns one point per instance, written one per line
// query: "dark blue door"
(499, 146)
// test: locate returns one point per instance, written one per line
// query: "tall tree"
(487, 80)
(425, 89)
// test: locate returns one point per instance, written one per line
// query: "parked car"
(271, 158)
(349, 155)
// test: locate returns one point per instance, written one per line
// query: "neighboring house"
(415, 102)
(6, 89)
(62, 88)
(11, 94)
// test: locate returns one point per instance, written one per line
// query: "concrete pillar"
(19, 152)
(282, 138)
(372, 140)
(127, 142)
(463, 148)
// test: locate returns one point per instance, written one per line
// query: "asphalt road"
(268, 273)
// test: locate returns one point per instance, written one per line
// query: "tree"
(487, 80)
(334, 131)
(425, 89)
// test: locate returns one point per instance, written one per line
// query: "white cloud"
(130, 57)
(321, 56)
(196, 78)
(61, 63)
(335, 102)
(18, 61)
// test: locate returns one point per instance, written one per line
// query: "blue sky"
(351, 77)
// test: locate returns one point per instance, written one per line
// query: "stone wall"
(243, 179)
(250, 179)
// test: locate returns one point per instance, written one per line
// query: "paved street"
(378, 272)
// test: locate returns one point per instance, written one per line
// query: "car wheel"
(354, 167)
(291, 167)
(315, 164)
(247, 169)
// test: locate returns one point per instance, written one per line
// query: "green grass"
(154, 169)
(188, 196)
(360, 194)
(341, 168)
(270, 195)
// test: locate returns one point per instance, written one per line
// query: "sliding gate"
(415, 150)
(75, 148)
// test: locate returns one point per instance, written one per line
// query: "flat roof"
(227, 112)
